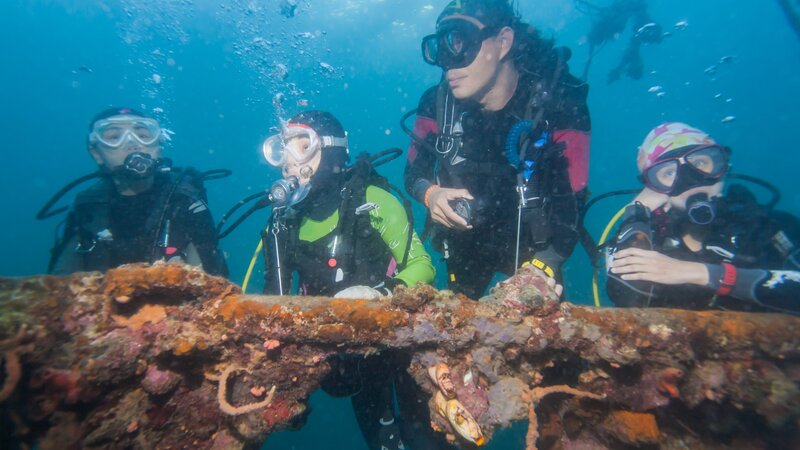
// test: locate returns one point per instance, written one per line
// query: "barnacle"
(440, 374)
(460, 419)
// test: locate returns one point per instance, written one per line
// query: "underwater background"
(220, 73)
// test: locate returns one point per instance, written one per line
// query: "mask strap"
(333, 141)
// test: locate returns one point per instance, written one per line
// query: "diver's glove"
(388, 285)
(360, 292)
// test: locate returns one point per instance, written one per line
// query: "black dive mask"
(693, 166)
(139, 166)
(690, 179)
(456, 44)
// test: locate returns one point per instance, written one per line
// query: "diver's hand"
(651, 199)
(634, 264)
(551, 282)
(359, 292)
(554, 285)
(441, 212)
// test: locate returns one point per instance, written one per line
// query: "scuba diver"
(140, 209)
(500, 148)
(686, 242)
(341, 231)
(609, 22)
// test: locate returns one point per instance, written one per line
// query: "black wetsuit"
(560, 176)
(170, 221)
(763, 246)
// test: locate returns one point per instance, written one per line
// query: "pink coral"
(271, 344)
(527, 292)
(159, 382)
(258, 391)
(668, 382)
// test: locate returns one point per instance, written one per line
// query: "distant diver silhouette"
(791, 8)
(608, 22)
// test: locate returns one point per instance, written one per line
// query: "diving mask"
(116, 131)
(455, 45)
(300, 142)
(675, 173)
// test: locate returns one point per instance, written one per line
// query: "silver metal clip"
(366, 208)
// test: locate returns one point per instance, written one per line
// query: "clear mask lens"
(115, 132)
(700, 166)
(663, 176)
(300, 144)
(710, 161)
(456, 42)
(455, 45)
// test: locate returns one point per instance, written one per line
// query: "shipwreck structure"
(166, 356)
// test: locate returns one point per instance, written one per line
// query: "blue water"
(210, 66)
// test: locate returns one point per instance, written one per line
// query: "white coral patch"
(660, 330)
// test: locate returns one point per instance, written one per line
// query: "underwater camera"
(474, 212)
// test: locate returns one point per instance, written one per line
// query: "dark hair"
(531, 52)
(111, 112)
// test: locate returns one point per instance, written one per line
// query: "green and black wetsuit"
(330, 251)
(328, 259)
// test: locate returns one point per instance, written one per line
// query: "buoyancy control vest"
(471, 154)
(744, 233)
(90, 224)
(354, 253)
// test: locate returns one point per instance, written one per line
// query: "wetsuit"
(371, 254)
(378, 246)
(480, 166)
(105, 229)
(762, 245)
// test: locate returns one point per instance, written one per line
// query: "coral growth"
(222, 395)
(633, 428)
(10, 349)
(119, 362)
(526, 292)
(535, 395)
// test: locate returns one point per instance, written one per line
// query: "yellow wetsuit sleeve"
(391, 221)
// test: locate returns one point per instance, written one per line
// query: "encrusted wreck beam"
(169, 357)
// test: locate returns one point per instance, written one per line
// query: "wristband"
(728, 280)
(539, 264)
(428, 194)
